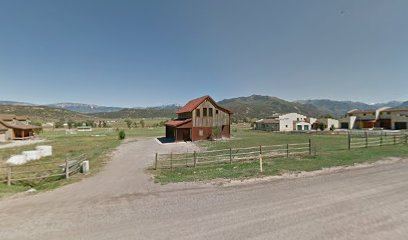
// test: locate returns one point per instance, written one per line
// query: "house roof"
(21, 118)
(2, 128)
(7, 117)
(177, 122)
(381, 110)
(18, 126)
(193, 104)
(395, 110)
(362, 111)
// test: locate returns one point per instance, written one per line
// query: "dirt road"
(122, 203)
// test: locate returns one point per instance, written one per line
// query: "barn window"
(216, 111)
(197, 112)
(204, 112)
(210, 112)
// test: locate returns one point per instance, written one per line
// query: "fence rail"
(366, 140)
(230, 155)
(250, 154)
(35, 171)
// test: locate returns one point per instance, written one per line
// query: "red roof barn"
(201, 118)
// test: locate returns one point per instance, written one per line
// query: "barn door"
(186, 135)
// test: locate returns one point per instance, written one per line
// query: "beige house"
(14, 127)
(385, 118)
(326, 124)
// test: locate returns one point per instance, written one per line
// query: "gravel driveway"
(121, 202)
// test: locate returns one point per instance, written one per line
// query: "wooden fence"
(230, 155)
(38, 171)
(367, 140)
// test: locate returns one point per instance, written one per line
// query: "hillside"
(254, 106)
(257, 106)
(149, 112)
(339, 108)
(42, 113)
(404, 105)
(84, 108)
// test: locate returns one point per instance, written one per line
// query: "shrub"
(122, 135)
(128, 123)
(216, 133)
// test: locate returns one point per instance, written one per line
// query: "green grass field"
(96, 146)
(328, 151)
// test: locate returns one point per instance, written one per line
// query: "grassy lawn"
(331, 150)
(96, 145)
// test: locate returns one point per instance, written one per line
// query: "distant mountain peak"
(85, 108)
(16, 103)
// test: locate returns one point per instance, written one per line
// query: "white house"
(285, 123)
(326, 124)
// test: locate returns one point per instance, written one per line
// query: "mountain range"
(339, 108)
(85, 108)
(167, 111)
(43, 113)
(255, 106)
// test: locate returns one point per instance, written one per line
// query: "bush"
(122, 135)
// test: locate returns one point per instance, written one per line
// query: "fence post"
(230, 155)
(349, 141)
(366, 136)
(260, 162)
(310, 146)
(287, 150)
(9, 176)
(66, 169)
(187, 159)
(195, 158)
(155, 162)
(171, 160)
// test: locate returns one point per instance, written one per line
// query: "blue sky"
(146, 53)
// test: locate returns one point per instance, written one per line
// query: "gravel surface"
(121, 202)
